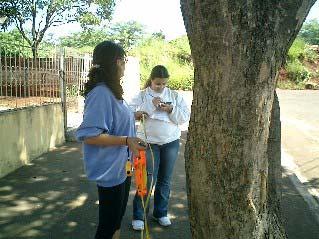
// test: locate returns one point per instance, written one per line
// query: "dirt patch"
(8, 102)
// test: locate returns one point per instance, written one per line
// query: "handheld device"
(164, 103)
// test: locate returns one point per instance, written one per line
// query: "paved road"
(300, 160)
(300, 131)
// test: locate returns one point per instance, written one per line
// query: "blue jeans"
(164, 160)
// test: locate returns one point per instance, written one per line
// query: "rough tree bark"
(237, 49)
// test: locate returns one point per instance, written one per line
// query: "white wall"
(27, 133)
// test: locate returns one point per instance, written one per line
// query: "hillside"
(301, 70)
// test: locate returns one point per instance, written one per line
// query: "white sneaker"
(163, 221)
(138, 225)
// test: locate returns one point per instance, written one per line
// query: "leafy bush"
(297, 72)
(297, 50)
(289, 85)
(182, 50)
(310, 32)
(299, 55)
(181, 76)
(311, 54)
(174, 55)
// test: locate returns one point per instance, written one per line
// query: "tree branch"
(19, 25)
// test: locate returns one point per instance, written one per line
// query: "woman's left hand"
(140, 114)
(166, 107)
(135, 144)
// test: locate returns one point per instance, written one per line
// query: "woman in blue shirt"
(108, 136)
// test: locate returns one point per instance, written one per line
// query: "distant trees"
(128, 34)
(42, 14)
(87, 38)
(310, 32)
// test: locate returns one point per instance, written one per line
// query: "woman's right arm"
(135, 144)
(106, 140)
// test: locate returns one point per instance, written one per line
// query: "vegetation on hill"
(302, 66)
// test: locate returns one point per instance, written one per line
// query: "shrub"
(297, 50)
(174, 55)
(310, 32)
(285, 85)
(296, 72)
(311, 55)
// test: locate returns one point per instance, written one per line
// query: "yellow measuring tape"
(145, 204)
(140, 167)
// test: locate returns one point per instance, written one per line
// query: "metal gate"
(55, 76)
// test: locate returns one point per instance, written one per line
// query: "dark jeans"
(165, 158)
(112, 205)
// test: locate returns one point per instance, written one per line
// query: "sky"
(155, 15)
(164, 15)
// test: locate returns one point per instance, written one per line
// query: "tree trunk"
(237, 49)
(34, 49)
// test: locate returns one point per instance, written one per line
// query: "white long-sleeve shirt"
(161, 127)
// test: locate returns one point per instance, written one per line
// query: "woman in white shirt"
(165, 110)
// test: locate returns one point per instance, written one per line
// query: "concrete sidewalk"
(53, 199)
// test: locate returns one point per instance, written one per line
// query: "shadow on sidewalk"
(299, 221)
(52, 199)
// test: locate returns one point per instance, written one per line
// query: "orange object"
(140, 173)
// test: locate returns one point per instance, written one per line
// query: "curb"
(309, 194)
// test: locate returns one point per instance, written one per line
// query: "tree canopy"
(43, 14)
(128, 34)
(310, 32)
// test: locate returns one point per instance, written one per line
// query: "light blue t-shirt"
(103, 113)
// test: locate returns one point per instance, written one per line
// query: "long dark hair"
(158, 71)
(104, 69)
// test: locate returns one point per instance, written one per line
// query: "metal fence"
(51, 78)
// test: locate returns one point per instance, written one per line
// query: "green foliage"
(289, 85)
(182, 50)
(298, 55)
(42, 14)
(297, 72)
(13, 44)
(311, 54)
(72, 90)
(128, 34)
(310, 32)
(301, 51)
(84, 39)
(297, 50)
(13, 36)
(174, 55)
(158, 35)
